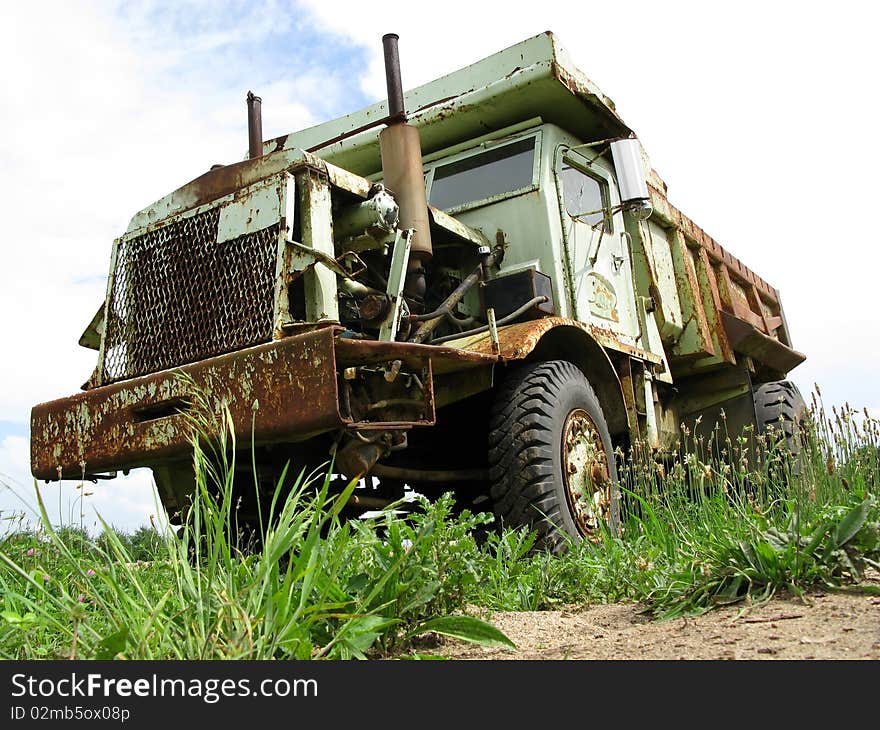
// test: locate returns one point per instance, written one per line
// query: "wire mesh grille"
(178, 296)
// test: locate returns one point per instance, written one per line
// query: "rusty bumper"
(283, 391)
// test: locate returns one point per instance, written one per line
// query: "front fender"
(560, 338)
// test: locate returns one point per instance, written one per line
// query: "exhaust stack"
(255, 125)
(401, 152)
(392, 76)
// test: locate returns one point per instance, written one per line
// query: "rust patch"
(287, 389)
(430, 104)
(610, 122)
(225, 180)
(350, 352)
(517, 341)
(233, 178)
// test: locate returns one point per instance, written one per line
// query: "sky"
(760, 116)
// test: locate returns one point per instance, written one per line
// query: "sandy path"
(829, 626)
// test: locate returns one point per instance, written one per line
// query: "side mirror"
(631, 179)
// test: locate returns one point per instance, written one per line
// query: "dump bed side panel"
(721, 309)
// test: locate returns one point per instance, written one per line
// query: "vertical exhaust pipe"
(401, 152)
(392, 76)
(255, 125)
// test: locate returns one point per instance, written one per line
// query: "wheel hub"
(585, 472)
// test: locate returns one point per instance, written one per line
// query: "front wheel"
(551, 462)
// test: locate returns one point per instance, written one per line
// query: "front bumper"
(283, 391)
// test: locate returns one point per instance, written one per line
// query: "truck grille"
(178, 296)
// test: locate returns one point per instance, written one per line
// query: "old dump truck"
(490, 295)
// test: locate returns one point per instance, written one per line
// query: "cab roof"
(534, 78)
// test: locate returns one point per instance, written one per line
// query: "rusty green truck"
(479, 285)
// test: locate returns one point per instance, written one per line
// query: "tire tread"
(520, 452)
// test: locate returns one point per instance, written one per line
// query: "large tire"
(551, 461)
(781, 412)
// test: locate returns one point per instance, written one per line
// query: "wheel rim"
(585, 473)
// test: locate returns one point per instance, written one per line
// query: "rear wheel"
(551, 462)
(781, 414)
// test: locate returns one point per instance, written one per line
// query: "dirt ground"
(826, 626)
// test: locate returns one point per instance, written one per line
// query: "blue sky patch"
(14, 428)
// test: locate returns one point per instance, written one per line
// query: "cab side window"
(586, 198)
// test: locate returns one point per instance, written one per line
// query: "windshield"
(496, 171)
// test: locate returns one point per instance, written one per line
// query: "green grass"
(318, 587)
(707, 524)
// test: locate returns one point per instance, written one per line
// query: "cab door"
(599, 259)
